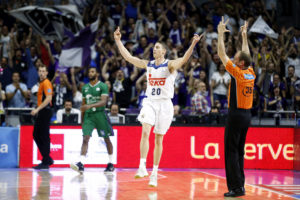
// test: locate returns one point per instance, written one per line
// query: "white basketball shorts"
(158, 113)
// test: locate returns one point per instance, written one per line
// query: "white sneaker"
(153, 180)
(142, 172)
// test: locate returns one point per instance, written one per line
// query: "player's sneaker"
(77, 167)
(109, 168)
(153, 180)
(142, 172)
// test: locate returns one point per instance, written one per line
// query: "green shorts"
(98, 120)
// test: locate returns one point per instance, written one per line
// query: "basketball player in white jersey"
(157, 108)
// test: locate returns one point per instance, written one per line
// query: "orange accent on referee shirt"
(244, 85)
(45, 89)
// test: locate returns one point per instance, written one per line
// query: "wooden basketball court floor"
(63, 183)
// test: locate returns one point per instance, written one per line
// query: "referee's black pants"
(236, 129)
(41, 134)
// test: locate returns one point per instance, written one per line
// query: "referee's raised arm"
(221, 46)
(245, 46)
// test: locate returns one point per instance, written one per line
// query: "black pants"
(236, 129)
(41, 133)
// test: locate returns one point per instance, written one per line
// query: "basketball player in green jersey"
(94, 99)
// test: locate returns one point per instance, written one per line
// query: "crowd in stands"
(201, 85)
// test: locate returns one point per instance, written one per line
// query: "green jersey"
(92, 94)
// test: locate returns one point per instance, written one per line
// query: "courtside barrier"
(184, 147)
(9, 141)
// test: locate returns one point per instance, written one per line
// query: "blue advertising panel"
(9, 140)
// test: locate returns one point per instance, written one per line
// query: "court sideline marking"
(260, 187)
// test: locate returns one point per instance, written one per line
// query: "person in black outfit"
(43, 114)
(239, 114)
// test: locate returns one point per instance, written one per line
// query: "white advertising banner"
(66, 145)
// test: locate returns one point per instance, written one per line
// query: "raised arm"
(221, 46)
(245, 46)
(177, 63)
(104, 73)
(125, 53)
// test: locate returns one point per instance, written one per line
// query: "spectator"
(76, 89)
(110, 94)
(5, 77)
(296, 92)
(201, 100)
(18, 63)
(116, 14)
(2, 99)
(150, 23)
(125, 68)
(210, 34)
(140, 48)
(219, 84)
(77, 95)
(276, 102)
(266, 78)
(32, 73)
(292, 58)
(16, 92)
(176, 110)
(122, 88)
(213, 61)
(258, 105)
(141, 86)
(62, 91)
(152, 37)
(131, 10)
(114, 115)
(277, 83)
(33, 95)
(175, 34)
(289, 85)
(214, 115)
(68, 109)
(4, 40)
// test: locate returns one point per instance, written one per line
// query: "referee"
(240, 100)
(43, 114)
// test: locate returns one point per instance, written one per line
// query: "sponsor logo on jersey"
(248, 76)
(97, 89)
(156, 81)
(102, 133)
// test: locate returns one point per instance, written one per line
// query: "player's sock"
(110, 158)
(155, 169)
(143, 162)
(82, 159)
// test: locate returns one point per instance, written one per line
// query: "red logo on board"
(56, 147)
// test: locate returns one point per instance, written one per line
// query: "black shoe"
(48, 161)
(109, 168)
(51, 162)
(41, 166)
(235, 192)
(77, 167)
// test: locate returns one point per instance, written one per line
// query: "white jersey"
(160, 82)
